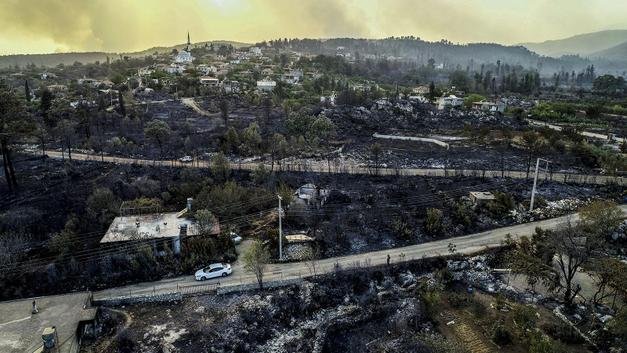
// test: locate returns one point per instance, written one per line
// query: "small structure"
(266, 85)
(310, 193)
(293, 77)
(175, 68)
(209, 81)
(479, 198)
(159, 230)
(451, 101)
(498, 107)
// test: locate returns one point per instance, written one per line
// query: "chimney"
(189, 204)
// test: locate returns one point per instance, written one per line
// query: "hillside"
(55, 59)
(617, 53)
(583, 44)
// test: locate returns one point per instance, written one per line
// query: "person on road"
(388, 259)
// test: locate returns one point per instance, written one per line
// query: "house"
(293, 77)
(48, 75)
(421, 90)
(209, 81)
(57, 88)
(451, 101)
(498, 107)
(207, 70)
(159, 230)
(310, 193)
(255, 51)
(175, 69)
(231, 86)
(266, 85)
(479, 198)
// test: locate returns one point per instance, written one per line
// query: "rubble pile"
(476, 273)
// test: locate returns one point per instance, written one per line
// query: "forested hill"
(443, 52)
(53, 59)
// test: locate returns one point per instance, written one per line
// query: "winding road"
(468, 244)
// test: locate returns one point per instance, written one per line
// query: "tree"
(230, 141)
(256, 259)
(121, 103)
(15, 124)
(434, 222)
(278, 148)
(555, 257)
(251, 139)
(375, 152)
(159, 132)
(220, 167)
(45, 104)
(224, 110)
(601, 218)
(205, 220)
(102, 205)
(27, 92)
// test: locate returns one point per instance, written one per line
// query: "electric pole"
(280, 230)
(535, 181)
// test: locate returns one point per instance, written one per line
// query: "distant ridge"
(54, 59)
(618, 53)
(582, 44)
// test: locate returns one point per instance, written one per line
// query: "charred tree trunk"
(9, 171)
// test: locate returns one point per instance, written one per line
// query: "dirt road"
(339, 166)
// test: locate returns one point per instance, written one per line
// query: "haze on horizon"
(44, 26)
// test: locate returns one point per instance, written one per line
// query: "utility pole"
(535, 181)
(280, 229)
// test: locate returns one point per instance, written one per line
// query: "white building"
(451, 101)
(209, 81)
(498, 107)
(184, 57)
(175, 69)
(256, 51)
(293, 77)
(266, 85)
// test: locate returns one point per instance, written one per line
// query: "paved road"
(617, 140)
(339, 166)
(466, 245)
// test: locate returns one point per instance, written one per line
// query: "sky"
(45, 26)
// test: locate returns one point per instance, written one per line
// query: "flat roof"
(20, 330)
(482, 195)
(149, 226)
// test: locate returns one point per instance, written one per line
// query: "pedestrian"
(35, 310)
(388, 259)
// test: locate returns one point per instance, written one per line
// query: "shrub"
(563, 333)
(501, 335)
(434, 224)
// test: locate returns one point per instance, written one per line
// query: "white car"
(235, 238)
(213, 271)
(186, 159)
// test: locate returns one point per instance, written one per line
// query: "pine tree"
(27, 92)
(121, 102)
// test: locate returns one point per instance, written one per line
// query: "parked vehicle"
(186, 159)
(236, 238)
(213, 271)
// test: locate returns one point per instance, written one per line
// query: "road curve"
(348, 167)
(464, 245)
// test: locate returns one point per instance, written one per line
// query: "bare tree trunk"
(9, 172)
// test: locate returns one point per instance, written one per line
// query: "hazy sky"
(42, 26)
